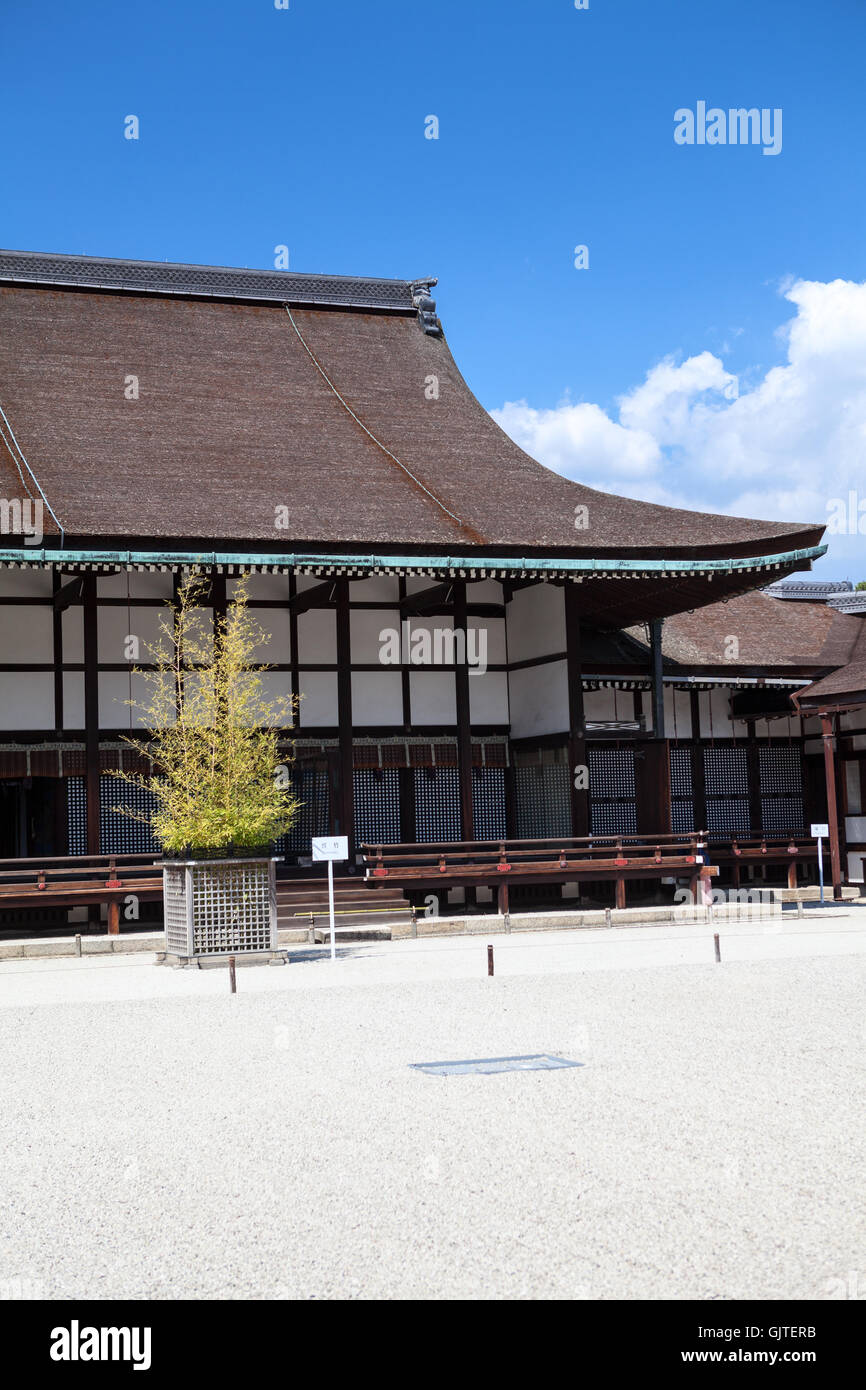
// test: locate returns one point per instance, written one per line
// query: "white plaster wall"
(539, 700)
(536, 622)
(855, 720)
(484, 591)
(678, 701)
(318, 706)
(72, 634)
(488, 698)
(262, 586)
(366, 626)
(852, 779)
(115, 688)
(141, 585)
(25, 583)
(378, 588)
(115, 624)
(855, 829)
(377, 698)
(495, 630)
(73, 700)
(275, 624)
(855, 866)
(26, 634)
(600, 704)
(27, 699)
(317, 635)
(432, 696)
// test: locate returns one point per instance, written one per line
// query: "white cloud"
(781, 450)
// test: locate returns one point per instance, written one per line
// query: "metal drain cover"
(483, 1066)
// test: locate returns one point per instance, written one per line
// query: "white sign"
(330, 847)
(820, 831)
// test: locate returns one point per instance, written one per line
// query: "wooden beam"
(66, 594)
(657, 672)
(464, 726)
(577, 758)
(438, 596)
(827, 734)
(320, 596)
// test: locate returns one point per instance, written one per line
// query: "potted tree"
(219, 788)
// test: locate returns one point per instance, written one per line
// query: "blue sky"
(305, 127)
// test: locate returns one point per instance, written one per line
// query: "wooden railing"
(489, 863)
(68, 881)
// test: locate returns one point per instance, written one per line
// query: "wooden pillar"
(502, 899)
(656, 671)
(57, 656)
(577, 758)
(699, 780)
(832, 802)
(344, 819)
(464, 725)
(91, 710)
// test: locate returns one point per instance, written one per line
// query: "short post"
(414, 927)
(507, 921)
(78, 943)
(233, 984)
(607, 917)
(799, 907)
(490, 960)
(331, 908)
(718, 951)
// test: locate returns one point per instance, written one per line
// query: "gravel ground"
(163, 1139)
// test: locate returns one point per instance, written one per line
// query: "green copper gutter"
(208, 559)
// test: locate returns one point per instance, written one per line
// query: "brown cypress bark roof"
(234, 421)
(770, 634)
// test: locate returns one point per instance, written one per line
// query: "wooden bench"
(79, 880)
(498, 863)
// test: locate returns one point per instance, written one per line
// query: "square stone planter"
(219, 907)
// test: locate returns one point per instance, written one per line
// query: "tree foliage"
(218, 776)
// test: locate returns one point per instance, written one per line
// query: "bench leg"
(502, 896)
(114, 917)
(620, 892)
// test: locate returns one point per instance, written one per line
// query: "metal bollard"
(718, 951)
(490, 960)
(233, 984)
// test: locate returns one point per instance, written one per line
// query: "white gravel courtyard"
(163, 1139)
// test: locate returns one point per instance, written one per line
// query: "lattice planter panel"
(220, 907)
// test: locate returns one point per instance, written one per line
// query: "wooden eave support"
(321, 596)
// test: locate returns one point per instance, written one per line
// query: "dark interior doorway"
(29, 817)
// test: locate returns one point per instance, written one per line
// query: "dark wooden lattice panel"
(543, 796)
(782, 815)
(612, 791)
(76, 804)
(437, 804)
(377, 806)
(488, 803)
(682, 803)
(311, 788)
(726, 770)
(728, 815)
(119, 834)
(781, 771)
